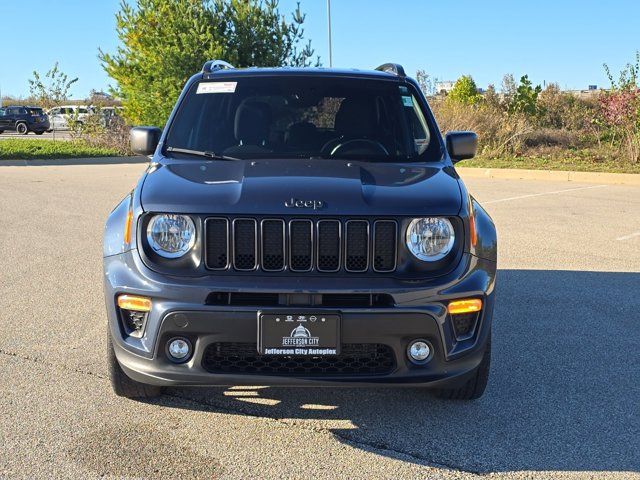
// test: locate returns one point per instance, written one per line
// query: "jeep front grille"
(301, 245)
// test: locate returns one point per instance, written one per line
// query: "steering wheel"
(360, 145)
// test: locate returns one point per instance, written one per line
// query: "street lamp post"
(329, 31)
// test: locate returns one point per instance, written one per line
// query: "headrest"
(252, 123)
(301, 134)
(356, 117)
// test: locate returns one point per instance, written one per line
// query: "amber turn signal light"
(127, 227)
(133, 302)
(469, 305)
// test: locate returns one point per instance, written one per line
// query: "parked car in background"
(23, 119)
(107, 114)
(62, 116)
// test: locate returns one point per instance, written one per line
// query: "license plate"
(308, 334)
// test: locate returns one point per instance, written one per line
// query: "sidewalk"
(551, 175)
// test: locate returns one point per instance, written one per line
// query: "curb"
(73, 161)
(551, 175)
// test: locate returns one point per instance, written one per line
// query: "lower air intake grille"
(354, 359)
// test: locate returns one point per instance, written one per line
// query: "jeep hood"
(261, 187)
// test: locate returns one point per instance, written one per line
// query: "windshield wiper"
(201, 153)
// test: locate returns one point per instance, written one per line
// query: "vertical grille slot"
(300, 245)
(217, 244)
(357, 246)
(245, 244)
(328, 245)
(272, 245)
(384, 245)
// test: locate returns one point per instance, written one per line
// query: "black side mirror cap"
(144, 140)
(461, 145)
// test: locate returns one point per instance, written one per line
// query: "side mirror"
(461, 145)
(144, 140)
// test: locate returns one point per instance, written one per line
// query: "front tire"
(38, 133)
(122, 385)
(22, 128)
(475, 386)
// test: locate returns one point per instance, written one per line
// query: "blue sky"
(559, 41)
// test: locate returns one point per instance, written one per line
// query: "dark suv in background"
(23, 119)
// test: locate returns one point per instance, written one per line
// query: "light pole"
(329, 31)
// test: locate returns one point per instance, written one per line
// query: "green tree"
(163, 42)
(465, 91)
(52, 88)
(525, 98)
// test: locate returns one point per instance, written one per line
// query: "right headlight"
(171, 236)
(431, 238)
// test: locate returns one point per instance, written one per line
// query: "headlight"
(430, 238)
(171, 236)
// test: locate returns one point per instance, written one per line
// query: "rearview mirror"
(461, 145)
(144, 140)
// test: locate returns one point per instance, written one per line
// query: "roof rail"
(394, 68)
(214, 65)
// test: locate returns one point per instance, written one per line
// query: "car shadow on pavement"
(563, 394)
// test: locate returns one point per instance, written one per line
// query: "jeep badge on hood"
(297, 203)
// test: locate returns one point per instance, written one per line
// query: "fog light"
(419, 351)
(179, 348)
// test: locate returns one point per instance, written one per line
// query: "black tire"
(475, 386)
(21, 128)
(122, 385)
(38, 133)
(1, 131)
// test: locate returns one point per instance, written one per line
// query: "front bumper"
(180, 309)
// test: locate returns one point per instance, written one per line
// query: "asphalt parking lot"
(563, 398)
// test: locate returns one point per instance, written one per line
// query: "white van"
(59, 116)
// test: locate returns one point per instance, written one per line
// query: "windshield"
(304, 117)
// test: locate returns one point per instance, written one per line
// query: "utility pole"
(329, 31)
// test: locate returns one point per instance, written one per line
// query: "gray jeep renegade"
(300, 227)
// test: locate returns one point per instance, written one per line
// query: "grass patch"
(585, 160)
(27, 149)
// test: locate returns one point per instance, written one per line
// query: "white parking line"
(541, 194)
(628, 237)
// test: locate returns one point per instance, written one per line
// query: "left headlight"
(171, 236)
(431, 238)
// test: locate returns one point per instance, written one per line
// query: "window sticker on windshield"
(217, 87)
(407, 101)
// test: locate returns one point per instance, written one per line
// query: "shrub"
(95, 131)
(620, 110)
(525, 98)
(498, 132)
(465, 92)
(552, 137)
(24, 148)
